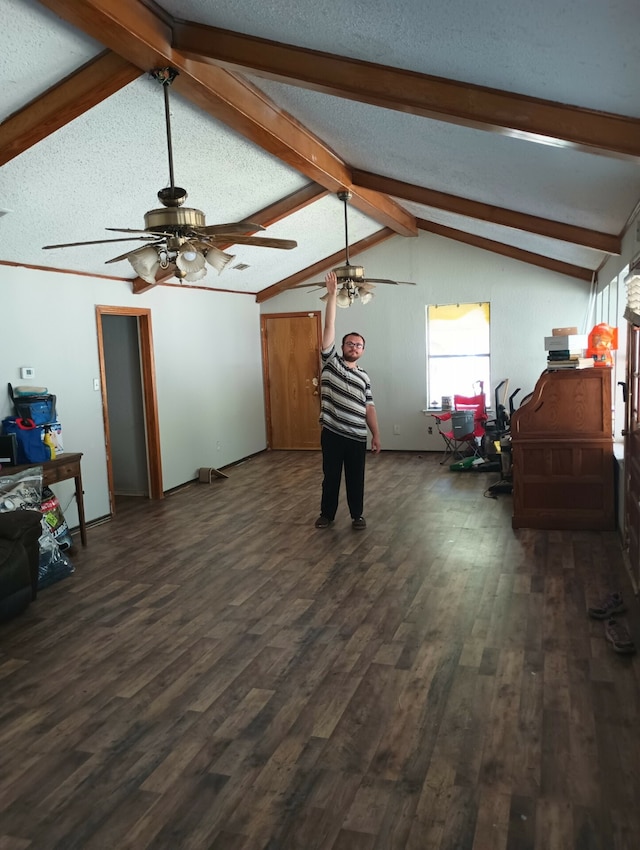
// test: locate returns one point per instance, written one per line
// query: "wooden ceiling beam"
(507, 250)
(480, 107)
(322, 265)
(605, 242)
(293, 203)
(139, 34)
(86, 87)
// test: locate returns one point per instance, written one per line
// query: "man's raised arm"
(329, 333)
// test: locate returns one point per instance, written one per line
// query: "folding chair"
(462, 428)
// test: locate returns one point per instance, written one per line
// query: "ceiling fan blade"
(318, 283)
(238, 227)
(135, 230)
(100, 242)
(129, 253)
(384, 280)
(258, 241)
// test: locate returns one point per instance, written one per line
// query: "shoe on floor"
(612, 604)
(359, 523)
(323, 522)
(617, 634)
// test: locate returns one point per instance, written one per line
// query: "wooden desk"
(562, 450)
(65, 466)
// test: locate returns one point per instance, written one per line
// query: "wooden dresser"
(562, 451)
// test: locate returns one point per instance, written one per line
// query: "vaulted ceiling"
(509, 125)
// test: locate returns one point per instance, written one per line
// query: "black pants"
(337, 452)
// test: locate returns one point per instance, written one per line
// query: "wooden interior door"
(632, 455)
(291, 362)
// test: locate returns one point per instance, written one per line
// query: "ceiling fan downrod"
(345, 196)
(174, 196)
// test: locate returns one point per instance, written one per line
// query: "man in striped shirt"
(347, 410)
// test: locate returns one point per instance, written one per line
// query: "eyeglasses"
(354, 344)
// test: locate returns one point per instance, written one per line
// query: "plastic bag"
(54, 517)
(53, 565)
(22, 490)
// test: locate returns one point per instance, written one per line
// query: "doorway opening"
(129, 403)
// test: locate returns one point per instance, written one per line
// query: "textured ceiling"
(104, 165)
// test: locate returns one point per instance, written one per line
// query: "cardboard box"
(564, 331)
(568, 342)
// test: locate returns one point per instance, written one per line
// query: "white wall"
(207, 359)
(526, 303)
(208, 354)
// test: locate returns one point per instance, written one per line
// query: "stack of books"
(567, 351)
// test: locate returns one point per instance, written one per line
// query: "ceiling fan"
(352, 283)
(177, 239)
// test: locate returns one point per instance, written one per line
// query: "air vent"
(240, 267)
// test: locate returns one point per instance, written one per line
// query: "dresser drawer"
(61, 472)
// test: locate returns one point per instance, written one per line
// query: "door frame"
(149, 396)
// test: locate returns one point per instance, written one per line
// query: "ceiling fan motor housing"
(176, 219)
(350, 273)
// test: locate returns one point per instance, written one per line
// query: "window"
(457, 350)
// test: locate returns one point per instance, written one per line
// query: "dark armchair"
(19, 558)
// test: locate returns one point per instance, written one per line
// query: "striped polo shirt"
(345, 394)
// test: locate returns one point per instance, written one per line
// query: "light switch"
(96, 384)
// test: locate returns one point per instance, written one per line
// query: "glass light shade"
(189, 259)
(343, 299)
(195, 275)
(145, 263)
(365, 296)
(218, 259)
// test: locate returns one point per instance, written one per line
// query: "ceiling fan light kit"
(180, 243)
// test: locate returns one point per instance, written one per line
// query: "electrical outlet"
(218, 445)
(27, 373)
(396, 430)
(430, 430)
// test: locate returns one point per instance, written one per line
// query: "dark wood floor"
(219, 675)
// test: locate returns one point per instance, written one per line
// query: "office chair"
(462, 428)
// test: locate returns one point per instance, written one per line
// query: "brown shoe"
(323, 522)
(359, 523)
(617, 634)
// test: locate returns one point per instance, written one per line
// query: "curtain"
(632, 283)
